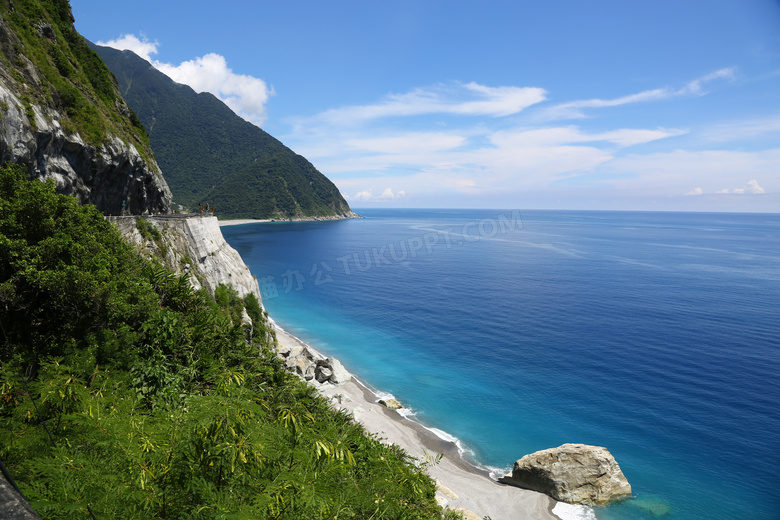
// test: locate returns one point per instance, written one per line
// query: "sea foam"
(566, 511)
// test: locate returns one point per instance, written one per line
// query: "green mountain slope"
(209, 154)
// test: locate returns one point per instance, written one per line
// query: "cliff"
(194, 245)
(62, 117)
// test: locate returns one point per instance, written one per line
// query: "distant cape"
(208, 154)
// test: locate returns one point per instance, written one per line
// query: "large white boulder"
(572, 473)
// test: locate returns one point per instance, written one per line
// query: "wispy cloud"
(743, 129)
(412, 142)
(246, 95)
(464, 99)
(553, 136)
(484, 153)
(696, 87)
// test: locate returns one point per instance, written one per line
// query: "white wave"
(445, 436)
(497, 473)
(573, 512)
(382, 396)
(406, 413)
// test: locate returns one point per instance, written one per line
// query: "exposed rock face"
(310, 365)
(194, 245)
(104, 176)
(12, 505)
(572, 473)
(339, 374)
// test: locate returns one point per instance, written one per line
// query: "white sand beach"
(461, 484)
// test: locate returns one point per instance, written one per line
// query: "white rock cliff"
(194, 245)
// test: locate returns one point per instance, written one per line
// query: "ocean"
(654, 334)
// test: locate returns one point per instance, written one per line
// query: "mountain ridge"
(210, 154)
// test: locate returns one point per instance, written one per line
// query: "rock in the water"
(391, 403)
(572, 473)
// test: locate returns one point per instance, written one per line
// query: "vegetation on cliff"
(48, 63)
(209, 154)
(124, 394)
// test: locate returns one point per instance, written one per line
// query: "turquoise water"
(653, 334)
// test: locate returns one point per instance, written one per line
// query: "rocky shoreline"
(462, 487)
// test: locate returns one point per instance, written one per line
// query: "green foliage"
(65, 273)
(148, 230)
(209, 154)
(157, 404)
(253, 308)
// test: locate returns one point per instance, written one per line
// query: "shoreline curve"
(461, 485)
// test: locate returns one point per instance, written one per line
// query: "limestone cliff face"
(194, 245)
(104, 176)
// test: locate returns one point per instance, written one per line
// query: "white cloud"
(695, 191)
(752, 187)
(697, 86)
(368, 196)
(572, 109)
(129, 42)
(665, 173)
(388, 194)
(244, 94)
(571, 134)
(412, 142)
(743, 129)
(469, 99)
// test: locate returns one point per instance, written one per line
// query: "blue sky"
(642, 104)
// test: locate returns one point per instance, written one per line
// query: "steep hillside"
(209, 154)
(125, 394)
(62, 117)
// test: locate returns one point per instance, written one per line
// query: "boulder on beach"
(309, 364)
(391, 403)
(339, 374)
(572, 473)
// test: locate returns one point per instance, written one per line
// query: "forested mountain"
(209, 154)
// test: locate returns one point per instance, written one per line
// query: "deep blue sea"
(654, 334)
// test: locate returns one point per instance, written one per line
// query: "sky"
(669, 105)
